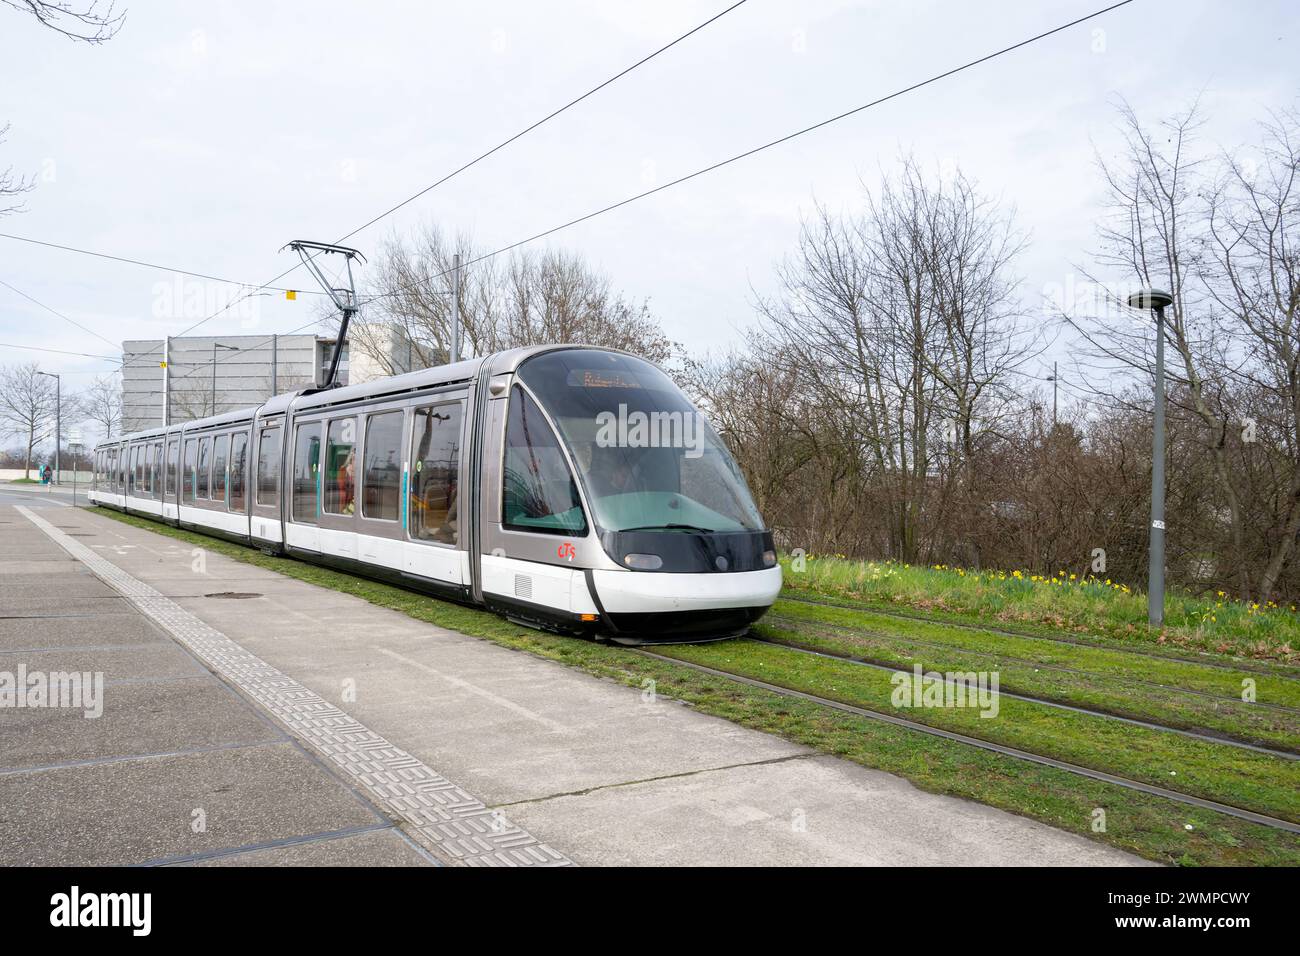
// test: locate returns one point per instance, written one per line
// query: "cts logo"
(566, 551)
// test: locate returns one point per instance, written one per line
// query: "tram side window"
(220, 452)
(268, 467)
(141, 458)
(306, 472)
(134, 454)
(341, 466)
(538, 492)
(191, 464)
(173, 462)
(238, 472)
(202, 483)
(381, 480)
(156, 472)
(435, 478)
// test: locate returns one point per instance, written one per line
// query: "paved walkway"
(545, 764)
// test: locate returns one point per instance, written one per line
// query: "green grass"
(23, 481)
(1273, 684)
(1150, 826)
(1070, 602)
(1165, 705)
(1241, 778)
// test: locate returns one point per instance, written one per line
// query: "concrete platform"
(179, 768)
(582, 764)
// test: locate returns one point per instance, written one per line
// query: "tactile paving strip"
(448, 818)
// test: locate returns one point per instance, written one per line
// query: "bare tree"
(527, 300)
(102, 402)
(27, 407)
(1220, 236)
(85, 22)
(409, 289)
(194, 400)
(1254, 278)
(556, 297)
(902, 320)
(11, 184)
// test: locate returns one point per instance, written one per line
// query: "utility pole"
(275, 356)
(167, 381)
(1157, 301)
(74, 446)
(58, 424)
(455, 308)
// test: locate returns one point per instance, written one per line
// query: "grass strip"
(1134, 647)
(1240, 778)
(1246, 723)
(1077, 601)
(1083, 679)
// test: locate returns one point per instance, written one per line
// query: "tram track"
(1249, 667)
(1203, 734)
(985, 745)
(850, 630)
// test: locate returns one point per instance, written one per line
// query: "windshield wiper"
(670, 527)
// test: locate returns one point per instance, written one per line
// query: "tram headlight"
(643, 562)
(769, 559)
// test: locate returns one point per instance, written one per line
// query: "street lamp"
(215, 346)
(1055, 379)
(58, 423)
(1156, 301)
(74, 446)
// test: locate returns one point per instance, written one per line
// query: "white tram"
(568, 487)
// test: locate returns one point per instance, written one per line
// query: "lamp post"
(1156, 301)
(74, 446)
(1055, 379)
(58, 424)
(455, 309)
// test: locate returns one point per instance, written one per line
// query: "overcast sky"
(205, 136)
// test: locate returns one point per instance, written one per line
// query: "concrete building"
(379, 350)
(218, 374)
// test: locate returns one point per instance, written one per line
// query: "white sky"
(205, 136)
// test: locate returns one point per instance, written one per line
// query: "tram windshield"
(648, 459)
